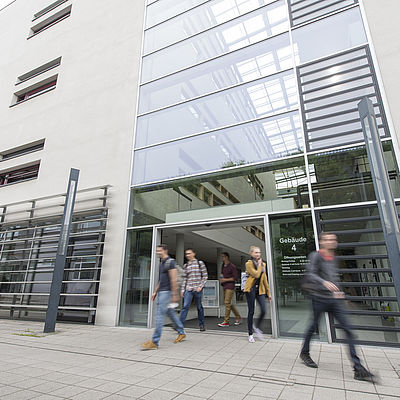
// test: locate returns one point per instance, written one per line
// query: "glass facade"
(249, 108)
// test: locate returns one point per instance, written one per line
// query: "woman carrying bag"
(256, 288)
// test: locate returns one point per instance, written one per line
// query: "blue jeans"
(163, 300)
(251, 298)
(336, 309)
(187, 301)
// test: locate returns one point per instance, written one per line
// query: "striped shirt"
(195, 275)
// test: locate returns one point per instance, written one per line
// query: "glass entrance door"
(292, 239)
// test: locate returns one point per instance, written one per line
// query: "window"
(50, 21)
(36, 90)
(39, 70)
(22, 150)
(52, 6)
(19, 175)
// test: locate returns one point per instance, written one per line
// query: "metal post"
(383, 191)
(58, 272)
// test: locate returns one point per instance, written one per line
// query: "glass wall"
(136, 280)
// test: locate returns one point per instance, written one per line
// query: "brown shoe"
(179, 338)
(150, 345)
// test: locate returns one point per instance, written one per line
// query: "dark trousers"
(335, 308)
(251, 298)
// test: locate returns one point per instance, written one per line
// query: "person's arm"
(204, 274)
(313, 272)
(184, 281)
(153, 296)
(250, 269)
(266, 283)
(173, 279)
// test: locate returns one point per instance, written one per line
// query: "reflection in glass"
(292, 240)
(136, 279)
(344, 176)
(271, 187)
(323, 38)
(196, 20)
(262, 140)
(250, 28)
(250, 63)
(245, 103)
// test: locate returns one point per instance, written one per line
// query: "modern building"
(211, 124)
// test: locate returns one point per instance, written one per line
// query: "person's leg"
(233, 307)
(261, 301)
(338, 312)
(187, 301)
(176, 321)
(198, 296)
(227, 302)
(162, 307)
(317, 308)
(250, 297)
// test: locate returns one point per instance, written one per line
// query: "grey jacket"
(319, 269)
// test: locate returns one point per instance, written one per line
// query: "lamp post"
(383, 191)
(58, 272)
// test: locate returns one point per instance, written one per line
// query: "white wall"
(87, 121)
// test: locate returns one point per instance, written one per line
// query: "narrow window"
(36, 90)
(22, 150)
(19, 175)
(39, 70)
(52, 6)
(50, 21)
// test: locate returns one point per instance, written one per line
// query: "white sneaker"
(251, 339)
(258, 333)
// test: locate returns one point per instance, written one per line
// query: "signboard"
(294, 255)
(211, 294)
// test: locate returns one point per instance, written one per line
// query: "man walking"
(167, 291)
(230, 275)
(195, 277)
(322, 282)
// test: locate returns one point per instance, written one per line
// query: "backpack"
(180, 270)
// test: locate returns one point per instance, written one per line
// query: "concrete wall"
(87, 121)
(383, 21)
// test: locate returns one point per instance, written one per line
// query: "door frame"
(265, 218)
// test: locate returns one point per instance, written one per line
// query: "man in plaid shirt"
(192, 286)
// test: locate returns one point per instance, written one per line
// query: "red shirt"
(229, 271)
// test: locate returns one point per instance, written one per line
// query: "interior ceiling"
(205, 239)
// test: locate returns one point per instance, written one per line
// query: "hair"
(225, 254)
(190, 249)
(322, 235)
(252, 248)
(162, 246)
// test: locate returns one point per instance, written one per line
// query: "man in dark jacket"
(322, 282)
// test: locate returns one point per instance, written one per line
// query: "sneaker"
(150, 345)
(258, 333)
(223, 324)
(202, 328)
(362, 374)
(251, 339)
(307, 360)
(179, 338)
(238, 321)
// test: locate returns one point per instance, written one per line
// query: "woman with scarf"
(256, 288)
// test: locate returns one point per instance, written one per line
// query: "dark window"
(38, 90)
(22, 150)
(40, 70)
(19, 175)
(52, 6)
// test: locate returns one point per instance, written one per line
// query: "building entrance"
(209, 241)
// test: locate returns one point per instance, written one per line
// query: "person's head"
(255, 252)
(162, 251)
(328, 241)
(225, 257)
(190, 254)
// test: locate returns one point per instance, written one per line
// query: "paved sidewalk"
(90, 362)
